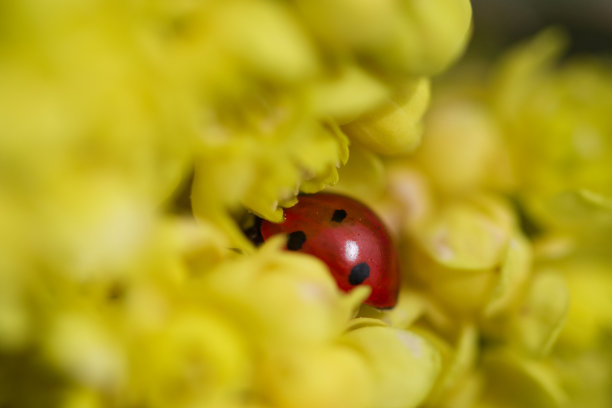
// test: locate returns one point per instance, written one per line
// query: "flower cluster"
(503, 216)
(111, 293)
(137, 135)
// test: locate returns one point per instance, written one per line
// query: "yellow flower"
(394, 127)
(327, 376)
(470, 256)
(542, 322)
(113, 113)
(270, 125)
(413, 37)
(584, 353)
(463, 150)
(403, 364)
(556, 122)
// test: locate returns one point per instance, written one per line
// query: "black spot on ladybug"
(359, 273)
(295, 240)
(338, 216)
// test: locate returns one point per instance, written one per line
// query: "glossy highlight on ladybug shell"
(348, 237)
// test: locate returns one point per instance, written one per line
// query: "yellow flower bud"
(462, 149)
(513, 380)
(412, 37)
(195, 356)
(404, 365)
(590, 312)
(267, 292)
(326, 377)
(556, 122)
(395, 127)
(275, 47)
(469, 257)
(348, 95)
(540, 318)
(86, 350)
(363, 177)
(410, 306)
(458, 363)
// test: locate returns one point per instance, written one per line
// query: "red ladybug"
(348, 237)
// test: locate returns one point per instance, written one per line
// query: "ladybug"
(348, 237)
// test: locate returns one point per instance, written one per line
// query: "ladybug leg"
(252, 230)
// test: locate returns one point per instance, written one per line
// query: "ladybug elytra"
(348, 237)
